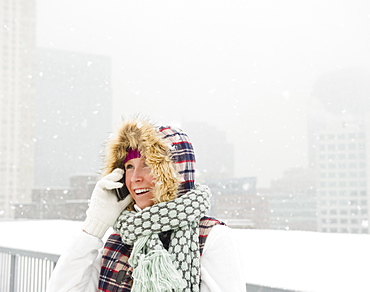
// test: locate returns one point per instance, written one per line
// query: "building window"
(331, 147)
(352, 156)
(353, 183)
(362, 165)
(342, 156)
(352, 146)
(342, 193)
(352, 165)
(342, 147)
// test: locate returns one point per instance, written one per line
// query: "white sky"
(246, 67)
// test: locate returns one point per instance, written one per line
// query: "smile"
(141, 191)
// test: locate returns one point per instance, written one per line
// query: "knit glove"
(104, 206)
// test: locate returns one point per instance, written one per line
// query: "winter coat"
(170, 155)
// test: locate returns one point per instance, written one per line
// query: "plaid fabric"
(115, 274)
(182, 153)
(205, 226)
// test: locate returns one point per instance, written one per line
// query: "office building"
(292, 201)
(237, 202)
(17, 92)
(343, 160)
(74, 114)
(214, 154)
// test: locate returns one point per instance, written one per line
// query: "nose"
(137, 175)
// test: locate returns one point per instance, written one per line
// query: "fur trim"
(142, 135)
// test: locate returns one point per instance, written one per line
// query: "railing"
(25, 271)
(28, 271)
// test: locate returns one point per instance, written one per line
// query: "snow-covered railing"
(22, 270)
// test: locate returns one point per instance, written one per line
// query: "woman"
(163, 240)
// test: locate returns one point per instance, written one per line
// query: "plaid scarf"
(155, 268)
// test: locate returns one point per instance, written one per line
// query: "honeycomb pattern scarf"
(155, 268)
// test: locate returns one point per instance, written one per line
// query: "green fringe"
(154, 271)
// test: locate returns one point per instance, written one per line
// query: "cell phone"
(123, 192)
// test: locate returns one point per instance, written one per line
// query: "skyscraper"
(343, 167)
(17, 59)
(74, 114)
(215, 155)
(339, 132)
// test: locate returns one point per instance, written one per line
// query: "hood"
(167, 150)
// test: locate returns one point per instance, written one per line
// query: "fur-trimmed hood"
(167, 150)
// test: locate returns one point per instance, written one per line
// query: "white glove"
(104, 206)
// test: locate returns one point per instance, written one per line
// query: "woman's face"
(139, 182)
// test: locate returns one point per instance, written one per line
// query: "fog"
(275, 96)
(245, 67)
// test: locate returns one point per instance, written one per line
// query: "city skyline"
(247, 68)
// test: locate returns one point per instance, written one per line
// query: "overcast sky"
(247, 67)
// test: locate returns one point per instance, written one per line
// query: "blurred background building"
(17, 99)
(74, 114)
(343, 157)
(292, 201)
(69, 202)
(69, 139)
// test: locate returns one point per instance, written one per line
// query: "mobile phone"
(123, 192)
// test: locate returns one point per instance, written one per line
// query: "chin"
(143, 205)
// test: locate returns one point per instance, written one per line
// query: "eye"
(128, 166)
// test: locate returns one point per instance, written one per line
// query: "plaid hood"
(167, 150)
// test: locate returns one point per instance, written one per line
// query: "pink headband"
(131, 154)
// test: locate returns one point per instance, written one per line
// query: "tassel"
(154, 271)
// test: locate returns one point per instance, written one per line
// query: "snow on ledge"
(295, 260)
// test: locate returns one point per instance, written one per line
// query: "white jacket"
(78, 269)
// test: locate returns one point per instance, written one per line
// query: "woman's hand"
(104, 206)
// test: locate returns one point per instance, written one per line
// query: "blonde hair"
(142, 135)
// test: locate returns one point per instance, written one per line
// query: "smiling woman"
(164, 240)
(139, 181)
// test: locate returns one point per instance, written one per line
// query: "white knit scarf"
(155, 268)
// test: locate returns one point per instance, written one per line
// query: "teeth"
(141, 191)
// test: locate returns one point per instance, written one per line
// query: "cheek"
(150, 179)
(127, 180)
